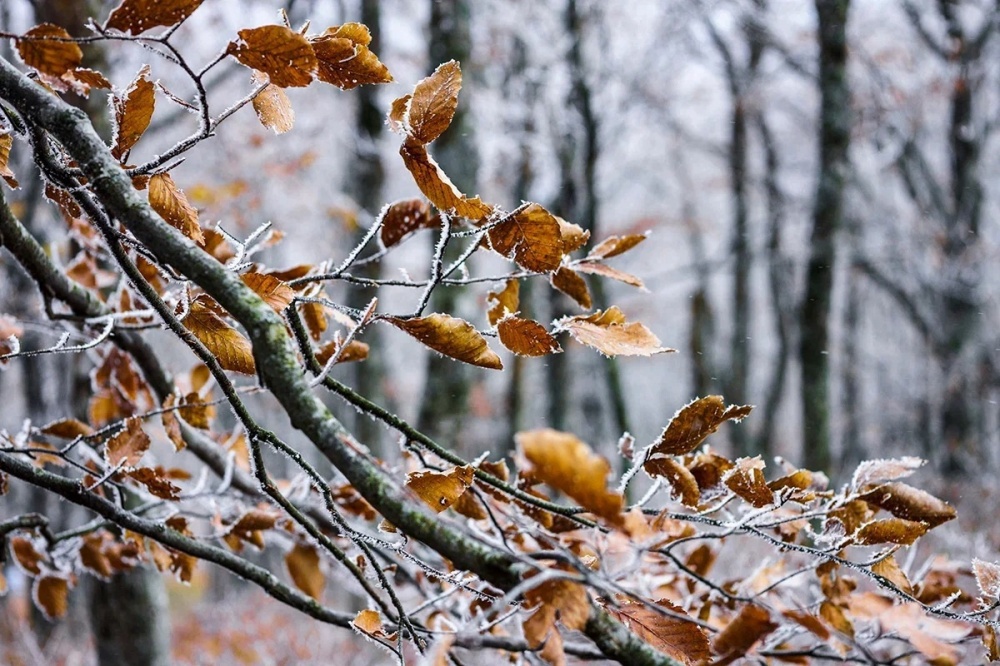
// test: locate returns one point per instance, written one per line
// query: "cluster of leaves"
(667, 568)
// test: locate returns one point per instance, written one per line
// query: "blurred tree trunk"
(365, 185)
(137, 598)
(828, 211)
(445, 398)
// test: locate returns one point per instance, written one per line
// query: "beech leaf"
(272, 291)
(569, 282)
(608, 272)
(439, 490)
(615, 245)
(133, 111)
(452, 337)
(694, 422)
(905, 501)
(49, 56)
(272, 106)
(51, 596)
(531, 238)
(284, 55)
(129, 445)
(403, 218)
(233, 351)
(671, 635)
(609, 333)
(436, 185)
(345, 59)
(434, 101)
(749, 626)
(506, 301)
(138, 16)
(525, 337)
(891, 530)
(6, 143)
(302, 562)
(172, 205)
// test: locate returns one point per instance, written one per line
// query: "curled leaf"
(272, 106)
(133, 111)
(440, 490)
(694, 422)
(403, 218)
(172, 205)
(452, 337)
(436, 185)
(609, 333)
(345, 59)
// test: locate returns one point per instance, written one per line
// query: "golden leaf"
(403, 218)
(68, 429)
(694, 422)
(891, 530)
(133, 111)
(439, 490)
(171, 204)
(560, 598)
(436, 185)
(250, 528)
(452, 337)
(564, 462)
(905, 501)
(615, 245)
(531, 238)
(746, 479)
(227, 344)
(138, 16)
(50, 594)
(170, 423)
(345, 59)
(681, 479)
(671, 635)
(808, 621)
(749, 626)
(525, 337)
(92, 556)
(314, 315)
(889, 569)
(129, 445)
(507, 301)
(6, 143)
(573, 235)
(155, 483)
(284, 55)
(570, 283)
(610, 334)
(273, 291)
(26, 555)
(355, 351)
(303, 566)
(434, 102)
(608, 272)
(273, 108)
(196, 411)
(47, 51)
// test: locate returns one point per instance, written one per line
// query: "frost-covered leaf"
(682, 640)
(746, 479)
(452, 337)
(345, 59)
(891, 530)
(128, 446)
(749, 626)
(569, 282)
(51, 596)
(694, 422)
(273, 291)
(138, 16)
(609, 333)
(505, 301)
(284, 55)
(403, 218)
(272, 106)
(525, 337)
(439, 490)
(433, 103)
(905, 501)
(6, 143)
(133, 111)
(615, 245)
(172, 205)
(884, 469)
(302, 562)
(436, 185)
(46, 48)
(531, 238)
(233, 351)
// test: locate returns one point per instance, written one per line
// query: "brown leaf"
(681, 479)
(809, 621)
(433, 104)
(569, 465)
(46, 51)
(51, 596)
(889, 569)
(355, 351)
(834, 615)
(525, 337)
(891, 530)
(752, 624)
(345, 59)
(155, 483)
(610, 334)
(452, 337)
(6, 143)
(250, 528)
(987, 578)
(531, 238)
(694, 422)
(436, 185)
(303, 566)
(560, 598)
(129, 445)
(569, 282)
(26, 555)
(197, 412)
(272, 106)
(746, 479)
(68, 429)
(887, 469)
(227, 344)
(507, 301)
(933, 637)
(172, 205)
(314, 315)
(401, 219)
(440, 490)
(370, 622)
(615, 245)
(138, 16)
(682, 640)
(397, 114)
(170, 423)
(133, 111)
(284, 55)
(573, 235)
(905, 501)
(273, 291)
(92, 555)
(595, 268)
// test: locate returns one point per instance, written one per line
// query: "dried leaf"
(681, 479)
(694, 422)
(68, 429)
(355, 351)
(196, 411)
(746, 479)
(531, 238)
(615, 245)
(436, 185)
(171, 425)
(886, 469)
(345, 59)
(809, 621)
(569, 282)
(682, 640)
(155, 482)
(905, 501)
(834, 615)
(272, 106)
(172, 205)
(46, 50)
(560, 598)
(370, 622)
(133, 111)
(891, 530)
(284, 55)
(931, 636)
(138, 16)
(434, 102)
(250, 528)
(889, 569)
(752, 624)
(452, 337)
(51, 596)
(6, 143)
(227, 344)
(273, 291)
(526, 337)
(26, 555)
(303, 566)
(573, 235)
(440, 490)
(314, 315)
(401, 219)
(397, 114)
(507, 301)
(595, 268)
(610, 334)
(569, 465)
(128, 446)
(92, 555)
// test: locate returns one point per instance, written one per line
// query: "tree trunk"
(129, 617)
(828, 211)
